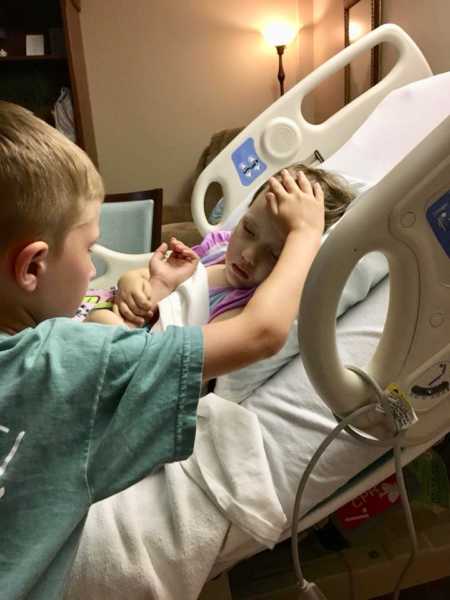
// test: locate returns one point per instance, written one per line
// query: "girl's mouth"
(240, 272)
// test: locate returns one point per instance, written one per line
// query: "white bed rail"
(281, 135)
(116, 265)
(393, 218)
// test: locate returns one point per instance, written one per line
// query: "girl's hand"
(133, 299)
(295, 204)
(170, 272)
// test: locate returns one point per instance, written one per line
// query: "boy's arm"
(260, 330)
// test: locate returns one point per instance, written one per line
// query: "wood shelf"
(41, 58)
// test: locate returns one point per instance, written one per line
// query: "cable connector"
(310, 591)
(397, 405)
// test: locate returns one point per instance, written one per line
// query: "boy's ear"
(30, 264)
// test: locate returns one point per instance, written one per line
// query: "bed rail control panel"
(249, 166)
(438, 216)
(408, 212)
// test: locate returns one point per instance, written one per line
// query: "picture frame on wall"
(360, 17)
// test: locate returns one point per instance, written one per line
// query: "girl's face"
(254, 246)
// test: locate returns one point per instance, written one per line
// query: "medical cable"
(397, 450)
(408, 516)
(307, 590)
(302, 583)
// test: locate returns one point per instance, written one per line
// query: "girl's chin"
(236, 280)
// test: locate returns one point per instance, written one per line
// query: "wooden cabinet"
(35, 81)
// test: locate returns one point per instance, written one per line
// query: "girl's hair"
(337, 192)
(45, 180)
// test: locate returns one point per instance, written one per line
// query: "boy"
(87, 410)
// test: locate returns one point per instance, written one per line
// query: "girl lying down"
(236, 262)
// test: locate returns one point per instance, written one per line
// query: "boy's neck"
(14, 319)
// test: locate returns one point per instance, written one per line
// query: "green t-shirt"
(85, 411)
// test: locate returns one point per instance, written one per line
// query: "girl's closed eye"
(248, 230)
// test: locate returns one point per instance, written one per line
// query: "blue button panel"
(438, 215)
(248, 164)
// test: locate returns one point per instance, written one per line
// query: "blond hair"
(45, 180)
(337, 192)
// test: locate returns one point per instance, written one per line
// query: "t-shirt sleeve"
(145, 413)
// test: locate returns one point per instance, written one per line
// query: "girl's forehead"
(259, 210)
(260, 215)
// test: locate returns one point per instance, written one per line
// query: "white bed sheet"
(294, 421)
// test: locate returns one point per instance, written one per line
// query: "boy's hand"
(295, 204)
(133, 300)
(172, 271)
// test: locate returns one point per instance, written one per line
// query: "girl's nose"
(248, 255)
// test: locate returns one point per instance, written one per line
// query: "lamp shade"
(279, 33)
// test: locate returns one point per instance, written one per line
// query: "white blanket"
(160, 538)
(188, 304)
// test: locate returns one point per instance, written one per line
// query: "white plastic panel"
(116, 265)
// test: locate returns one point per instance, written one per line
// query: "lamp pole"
(281, 74)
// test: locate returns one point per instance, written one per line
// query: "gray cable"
(301, 581)
(408, 516)
(304, 586)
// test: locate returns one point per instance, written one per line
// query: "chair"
(130, 223)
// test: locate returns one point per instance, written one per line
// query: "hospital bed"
(167, 535)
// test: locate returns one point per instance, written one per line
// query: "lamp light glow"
(279, 33)
(355, 31)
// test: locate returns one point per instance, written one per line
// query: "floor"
(437, 590)
(259, 577)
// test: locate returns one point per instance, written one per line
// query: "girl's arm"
(261, 329)
(133, 299)
(140, 290)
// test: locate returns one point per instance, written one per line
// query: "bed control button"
(281, 138)
(408, 219)
(436, 319)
